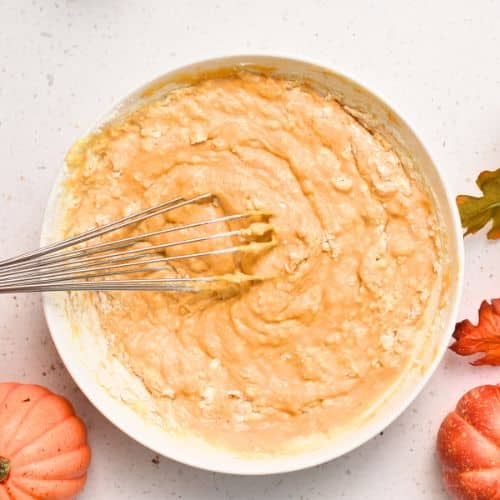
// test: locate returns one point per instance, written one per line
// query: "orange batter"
(337, 320)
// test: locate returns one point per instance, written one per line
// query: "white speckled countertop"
(63, 62)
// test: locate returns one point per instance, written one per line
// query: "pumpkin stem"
(4, 469)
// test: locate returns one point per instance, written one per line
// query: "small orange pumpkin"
(43, 445)
(468, 445)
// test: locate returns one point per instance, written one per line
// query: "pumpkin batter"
(345, 301)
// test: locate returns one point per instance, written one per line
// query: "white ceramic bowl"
(75, 353)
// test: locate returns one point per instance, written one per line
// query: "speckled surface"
(63, 63)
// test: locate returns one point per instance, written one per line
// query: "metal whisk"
(59, 267)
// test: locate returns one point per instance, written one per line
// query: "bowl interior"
(73, 349)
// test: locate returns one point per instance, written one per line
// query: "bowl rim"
(285, 463)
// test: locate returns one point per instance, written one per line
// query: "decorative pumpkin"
(43, 445)
(468, 445)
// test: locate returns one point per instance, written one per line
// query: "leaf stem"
(4, 469)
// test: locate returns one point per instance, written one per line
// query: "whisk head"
(67, 265)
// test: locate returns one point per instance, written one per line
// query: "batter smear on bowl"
(351, 283)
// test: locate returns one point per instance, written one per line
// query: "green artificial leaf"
(476, 212)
